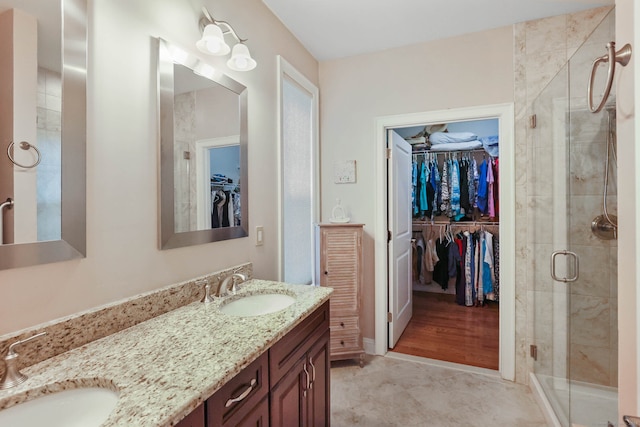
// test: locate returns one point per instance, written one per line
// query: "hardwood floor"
(443, 330)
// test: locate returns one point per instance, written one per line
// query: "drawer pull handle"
(313, 372)
(243, 395)
(306, 372)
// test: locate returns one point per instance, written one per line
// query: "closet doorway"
(434, 297)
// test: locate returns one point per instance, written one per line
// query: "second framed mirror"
(203, 146)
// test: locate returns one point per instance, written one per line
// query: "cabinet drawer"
(240, 394)
(344, 323)
(345, 340)
(286, 352)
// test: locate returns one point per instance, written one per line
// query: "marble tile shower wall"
(541, 49)
(593, 307)
(184, 169)
(49, 117)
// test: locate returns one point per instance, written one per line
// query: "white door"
(400, 227)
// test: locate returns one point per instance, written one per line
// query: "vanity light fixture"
(213, 43)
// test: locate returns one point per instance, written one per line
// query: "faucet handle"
(208, 298)
(12, 376)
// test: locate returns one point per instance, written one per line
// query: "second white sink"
(256, 305)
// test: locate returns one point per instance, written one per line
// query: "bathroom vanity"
(197, 364)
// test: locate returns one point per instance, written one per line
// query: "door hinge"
(388, 235)
(389, 317)
(533, 351)
(388, 153)
(533, 121)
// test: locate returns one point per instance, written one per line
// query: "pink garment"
(492, 207)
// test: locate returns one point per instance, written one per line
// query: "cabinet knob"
(326, 273)
(342, 324)
(341, 342)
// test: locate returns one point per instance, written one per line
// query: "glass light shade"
(212, 41)
(240, 59)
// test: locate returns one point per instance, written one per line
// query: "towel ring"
(622, 56)
(25, 146)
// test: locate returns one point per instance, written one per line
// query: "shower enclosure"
(575, 323)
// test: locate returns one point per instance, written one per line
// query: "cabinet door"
(318, 396)
(340, 267)
(288, 397)
(194, 419)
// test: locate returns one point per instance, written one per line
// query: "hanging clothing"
(465, 206)
(414, 184)
(435, 183)
(445, 204)
(424, 177)
(461, 281)
(487, 269)
(455, 190)
(483, 191)
(431, 256)
(491, 208)
(496, 189)
(496, 270)
(472, 185)
(441, 268)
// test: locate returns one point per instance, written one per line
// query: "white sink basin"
(256, 305)
(78, 407)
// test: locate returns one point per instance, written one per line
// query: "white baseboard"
(369, 345)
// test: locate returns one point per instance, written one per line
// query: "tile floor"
(390, 391)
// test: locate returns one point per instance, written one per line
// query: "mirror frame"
(73, 241)
(168, 237)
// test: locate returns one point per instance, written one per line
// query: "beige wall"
(122, 175)
(424, 77)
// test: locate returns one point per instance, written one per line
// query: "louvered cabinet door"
(339, 266)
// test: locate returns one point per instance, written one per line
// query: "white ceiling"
(332, 29)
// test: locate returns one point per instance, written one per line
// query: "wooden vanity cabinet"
(286, 386)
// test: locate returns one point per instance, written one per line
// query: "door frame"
(203, 167)
(286, 70)
(505, 114)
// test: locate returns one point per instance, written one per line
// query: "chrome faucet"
(224, 286)
(12, 376)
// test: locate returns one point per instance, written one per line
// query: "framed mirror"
(42, 131)
(203, 152)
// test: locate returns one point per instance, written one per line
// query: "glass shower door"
(575, 323)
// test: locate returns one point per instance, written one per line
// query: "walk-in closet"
(455, 242)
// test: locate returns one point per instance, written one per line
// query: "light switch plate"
(259, 235)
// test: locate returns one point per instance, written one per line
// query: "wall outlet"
(259, 235)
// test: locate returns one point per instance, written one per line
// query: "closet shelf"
(476, 150)
(454, 223)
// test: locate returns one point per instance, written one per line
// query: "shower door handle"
(576, 266)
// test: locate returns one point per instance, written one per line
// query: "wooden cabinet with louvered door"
(339, 266)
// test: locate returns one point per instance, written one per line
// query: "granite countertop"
(165, 367)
